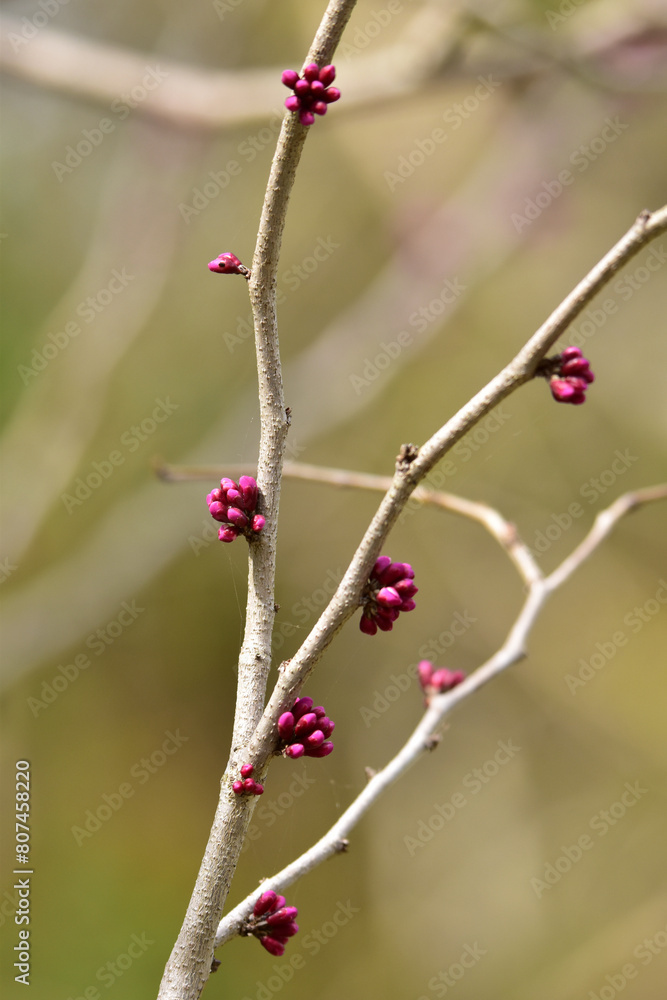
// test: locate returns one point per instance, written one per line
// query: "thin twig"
(512, 651)
(189, 964)
(503, 531)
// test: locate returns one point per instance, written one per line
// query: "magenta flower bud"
(237, 517)
(248, 488)
(384, 624)
(227, 484)
(395, 572)
(367, 625)
(233, 496)
(295, 750)
(317, 89)
(561, 390)
(246, 770)
(316, 739)
(331, 94)
(570, 352)
(320, 107)
(311, 72)
(327, 75)
(322, 751)
(292, 103)
(444, 679)
(302, 88)
(301, 706)
(218, 510)
(326, 725)
(227, 263)
(215, 494)
(405, 588)
(305, 724)
(258, 523)
(273, 946)
(306, 118)
(227, 534)
(237, 787)
(425, 672)
(388, 597)
(407, 606)
(286, 726)
(289, 78)
(285, 915)
(575, 366)
(266, 902)
(381, 564)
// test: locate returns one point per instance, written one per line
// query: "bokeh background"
(428, 204)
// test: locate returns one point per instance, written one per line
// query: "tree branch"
(424, 737)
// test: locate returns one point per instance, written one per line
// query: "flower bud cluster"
(273, 922)
(247, 786)
(388, 592)
(304, 730)
(571, 378)
(228, 263)
(312, 93)
(234, 504)
(437, 680)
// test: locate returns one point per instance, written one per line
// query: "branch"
(425, 737)
(503, 531)
(189, 965)
(414, 464)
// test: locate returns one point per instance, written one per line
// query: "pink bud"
(237, 517)
(237, 787)
(320, 107)
(326, 725)
(306, 724)
(396, 571)
(327, 75)
(285, 915)
(227, 534)
(265, 902)
(316, 739)
(233, 496)
(306, 118)
(295, 750)
(292, 103)
(289, 77)
(384, 624)
(258, 523)
(302, 88)
(286, 725)
(570, 352)
(301, 706)
(407, 606)
(388, 597)
(273, 946)
(317, 88)
(311, 72)
(331, 94)
(425, 671)
(561, 390)
(248, 488)
(367, 625)
(218, 510)
(322, 751)
(227, 484)
(381, 564)
(246, 770)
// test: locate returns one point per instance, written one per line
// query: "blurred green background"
(435, 211)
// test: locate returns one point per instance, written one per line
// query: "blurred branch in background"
(424, 737)
(439, 43)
